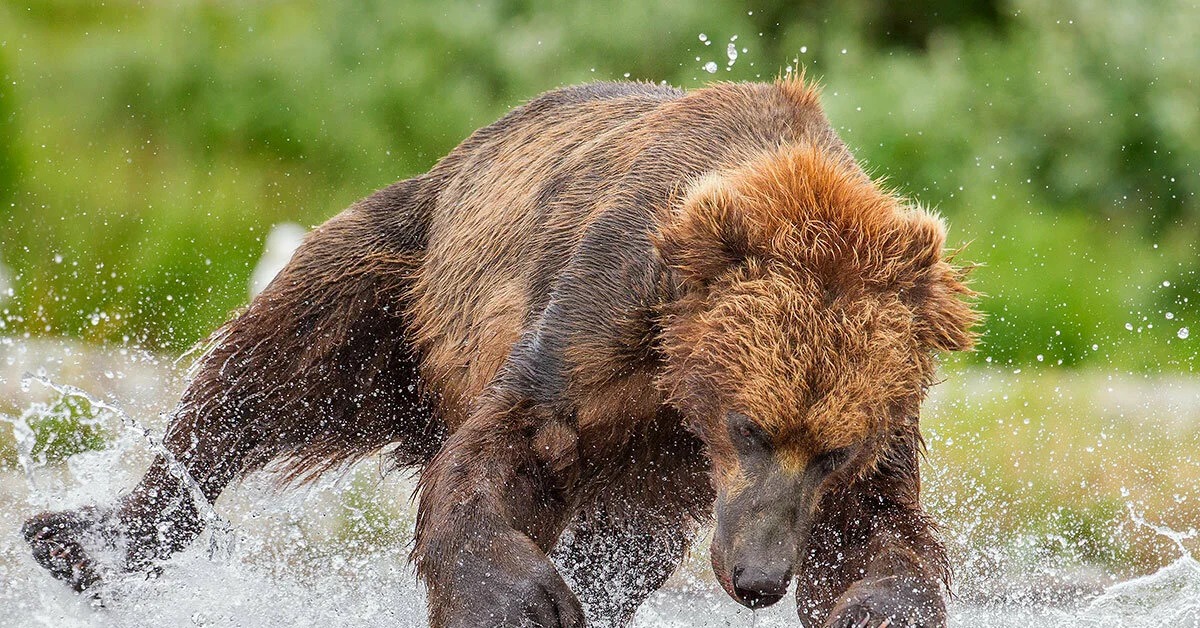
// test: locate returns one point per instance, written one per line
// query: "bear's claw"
(55, 538)
(859, 617)
(889, 602)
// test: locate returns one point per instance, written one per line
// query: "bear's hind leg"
(317, 372)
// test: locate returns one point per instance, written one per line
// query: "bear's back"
(518, 197)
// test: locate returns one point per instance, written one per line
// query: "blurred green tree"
(8, 136)
(160, 142)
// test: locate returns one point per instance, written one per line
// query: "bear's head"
(810, 306)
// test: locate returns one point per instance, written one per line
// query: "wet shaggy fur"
(557, 324)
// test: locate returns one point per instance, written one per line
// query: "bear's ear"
(706, 235)
(946, 318)
(939, 295)
(940, 298)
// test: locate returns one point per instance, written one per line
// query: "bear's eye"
(746, 432)
(832, 459)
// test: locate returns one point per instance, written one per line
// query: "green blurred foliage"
(367, 522)
(8, 136)
(146, 148)
(67, 427)
(48, 432)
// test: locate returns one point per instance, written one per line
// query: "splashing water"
(334, 553)
(216, 527)
(25, 441)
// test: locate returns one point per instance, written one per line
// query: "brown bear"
(618, 309)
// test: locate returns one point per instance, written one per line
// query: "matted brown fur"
(562, 324)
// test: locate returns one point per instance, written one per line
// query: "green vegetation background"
(147, 148)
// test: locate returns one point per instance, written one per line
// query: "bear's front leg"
(895, 592)
(493, 502)
(887, 568)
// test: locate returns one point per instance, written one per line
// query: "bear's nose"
(758, 588)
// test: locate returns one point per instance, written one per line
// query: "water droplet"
(711, 67)
(1182, 333)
